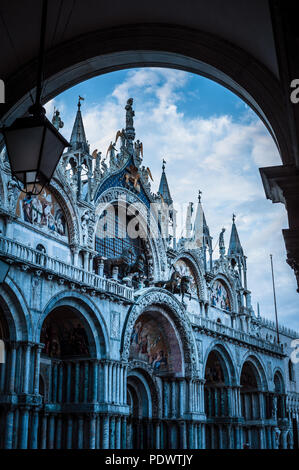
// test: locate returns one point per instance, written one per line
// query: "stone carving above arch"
(149, 298)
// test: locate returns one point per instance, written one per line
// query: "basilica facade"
(118, 335)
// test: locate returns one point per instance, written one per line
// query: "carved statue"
(56, 120)
(122, 262)
(185, 287)
(129, 113)
(133, 176)
(139, 150)
(221, 242)
(172, 285)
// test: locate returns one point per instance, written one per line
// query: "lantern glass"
(34, 147)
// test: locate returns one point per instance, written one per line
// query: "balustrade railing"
(26, 254)
(233, 333)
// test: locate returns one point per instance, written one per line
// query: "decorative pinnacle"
(79, 101)
(234, 218)
(199, 195)
(163, 164)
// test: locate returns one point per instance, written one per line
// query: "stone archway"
(143, 431)
(219, 397)
(254, 405)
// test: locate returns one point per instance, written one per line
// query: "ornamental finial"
(79, 101)
(234, 218)
(163, 164)
(199, 195)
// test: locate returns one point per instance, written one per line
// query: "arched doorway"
(141, 398)
(68, 380)
(219, 432)
(252, 405)
(154, 396)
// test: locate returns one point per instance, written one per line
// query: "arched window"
(113, 239)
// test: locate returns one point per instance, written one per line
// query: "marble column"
(173, 398)
(54, 382)
(105, 432)
(203, 436)
(34, 430)
(68, 382)
(121, 385)
(181, 398)
(44, 431)
(24, 428)
(26, 366)
(80, 432)
(109, 382)
(124, 432)
(37, 369)
(60, 382)
(112, 433)
(105, 388)
(191, 436)
(9, 421)
(95, 381)
(92, 431)
(12, 367)
(51, 431)
(69, 432)
(118, 433)
(157, 437)
(165, 398)
(125, 384)
(76, 388)
(58, 434)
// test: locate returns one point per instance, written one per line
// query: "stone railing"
(21, 253)
(224, 330)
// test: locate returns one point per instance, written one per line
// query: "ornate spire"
(235, 247)
(163, 187)
(130, 131)
(221, 243)
(78, 138)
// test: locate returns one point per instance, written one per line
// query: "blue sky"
(211, 141)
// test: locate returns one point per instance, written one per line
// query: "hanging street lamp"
(34, 146)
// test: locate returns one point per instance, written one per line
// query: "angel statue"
(146, 174)
(130, 113)
(122, 136)
(139, 150)
(97, 156)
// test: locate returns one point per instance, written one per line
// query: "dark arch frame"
(162, 45)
